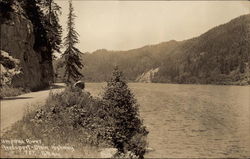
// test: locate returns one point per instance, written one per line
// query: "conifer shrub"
(129, 134)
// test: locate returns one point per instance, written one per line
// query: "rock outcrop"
(147, 77)
(9, 68)
(17, 38)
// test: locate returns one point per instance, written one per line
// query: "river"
(193, 120)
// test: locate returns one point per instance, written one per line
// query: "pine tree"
(129, 131)
(5, 9)
(51, 12)
(72, 54)
(35, 14)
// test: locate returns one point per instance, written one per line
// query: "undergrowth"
(73, 117)
(7, 91)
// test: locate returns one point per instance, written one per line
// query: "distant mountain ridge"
(219, 56)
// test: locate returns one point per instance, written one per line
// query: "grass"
(67, 118)
(7, 91)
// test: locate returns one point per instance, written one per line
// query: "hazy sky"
(122, 25)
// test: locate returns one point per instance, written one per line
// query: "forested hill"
(133, 63)
(219, 56)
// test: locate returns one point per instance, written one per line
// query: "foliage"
(8, 91)
(35, 14)
(9, 68)
(5, 9)
(71, 55)
(8, 61)
(51, 12)
(46, 26)
(129, 130)
(70, 117)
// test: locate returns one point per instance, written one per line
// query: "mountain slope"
(99, 64)
(219, 56)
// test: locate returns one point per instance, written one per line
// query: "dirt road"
(13, 108)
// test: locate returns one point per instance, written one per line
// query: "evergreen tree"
(72, 54)
(129, 133)
(5, 9)
(51, 12)
(35, 14)
(44, 17)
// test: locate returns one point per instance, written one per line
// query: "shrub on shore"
(129, 134)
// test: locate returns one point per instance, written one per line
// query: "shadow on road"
(14, 98)
(53, 86)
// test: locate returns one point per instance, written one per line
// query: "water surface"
(193, 120)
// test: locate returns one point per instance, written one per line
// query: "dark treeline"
(5, 9)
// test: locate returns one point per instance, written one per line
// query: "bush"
(7, 91)
(129, 133)
(70, 117)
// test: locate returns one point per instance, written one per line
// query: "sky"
(124, 25)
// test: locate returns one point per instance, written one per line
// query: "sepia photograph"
(124, 79)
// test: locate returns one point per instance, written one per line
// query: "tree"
(35, 15)
(51, 12)
(44, 17)
(129, 133)
(5, 9)
(72, 54)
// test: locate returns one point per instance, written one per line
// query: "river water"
(193, 120)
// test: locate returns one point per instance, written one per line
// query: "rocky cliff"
(147, 77)
(17, 38)
(9, 68)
